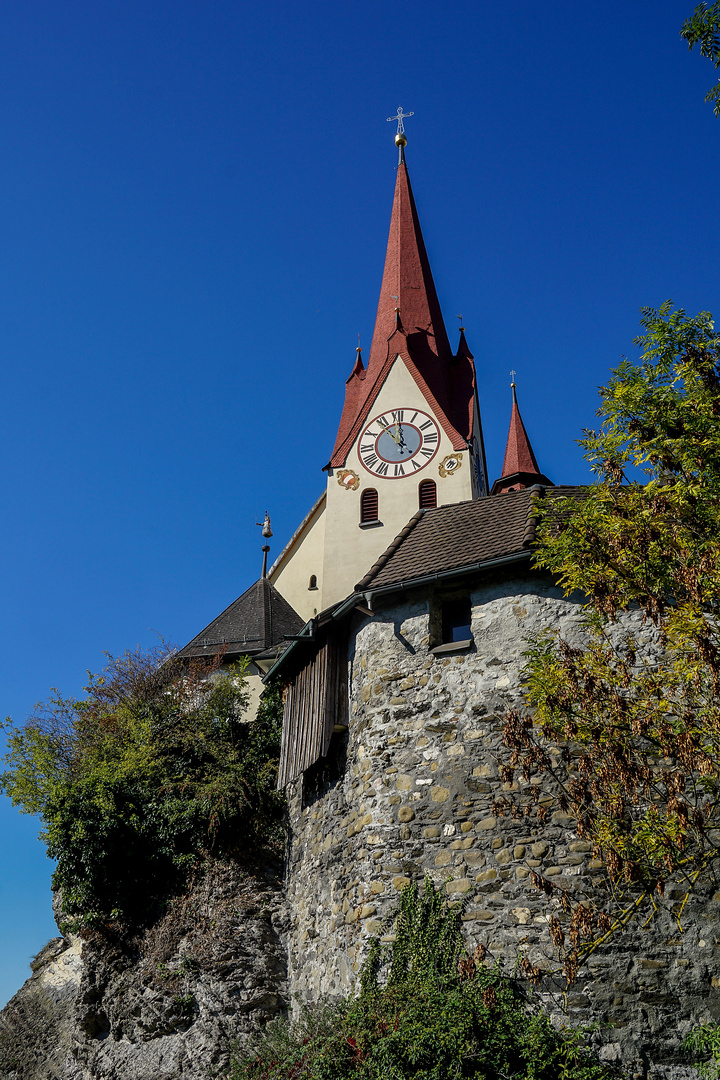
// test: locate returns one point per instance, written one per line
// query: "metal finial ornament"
(266, 530)
(400, 140)
(267, 533)
(512, 376)
(461, 319)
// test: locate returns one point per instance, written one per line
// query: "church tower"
(410, 435)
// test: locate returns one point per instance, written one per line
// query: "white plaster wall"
(351, 550)
(254, 687)
(300, 560)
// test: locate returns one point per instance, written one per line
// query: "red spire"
(520, 469)
(407, 281)
(463, 349)
(409, 323)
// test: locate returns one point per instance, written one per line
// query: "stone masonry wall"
(408, 792)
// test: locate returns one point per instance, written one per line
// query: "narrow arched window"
(427, 495)
(368, 505)
(313, 582)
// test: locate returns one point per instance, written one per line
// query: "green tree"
(148, 773)
(703, 29)
(625, 724)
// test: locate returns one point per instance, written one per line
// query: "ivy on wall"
(426, 1010)
(623, 729)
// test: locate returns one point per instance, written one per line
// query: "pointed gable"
(255, 623)
(520, 468)
(409, 324)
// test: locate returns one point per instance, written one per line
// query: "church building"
(409, 439)
(397, 618)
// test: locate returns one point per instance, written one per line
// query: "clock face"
(399, 443)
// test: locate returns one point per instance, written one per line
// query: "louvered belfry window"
(427, 495)
(368, 505)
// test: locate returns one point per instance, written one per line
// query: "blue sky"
(195, 203)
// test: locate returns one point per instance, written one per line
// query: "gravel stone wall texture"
(408, 792)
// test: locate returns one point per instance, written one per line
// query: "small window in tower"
(456, 620)
(368, 506)
(313, 582)
(427, 495)
(451, 624)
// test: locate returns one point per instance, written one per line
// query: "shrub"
(151, 771)
(425, 1009)
(705, 1040)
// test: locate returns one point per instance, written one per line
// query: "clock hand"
(395, 435)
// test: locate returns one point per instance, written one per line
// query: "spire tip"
(400, 140)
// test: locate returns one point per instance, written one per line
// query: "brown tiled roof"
(462, 535)
(253, 624)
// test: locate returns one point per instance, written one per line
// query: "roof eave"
(312, 513)
(348, 605)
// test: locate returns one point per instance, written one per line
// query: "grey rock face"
(207, 975)
(36, 1025)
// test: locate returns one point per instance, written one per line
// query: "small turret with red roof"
(520, 468)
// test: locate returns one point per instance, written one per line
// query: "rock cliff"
(168, 1003)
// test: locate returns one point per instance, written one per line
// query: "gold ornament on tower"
(450, 464)
(348, 479)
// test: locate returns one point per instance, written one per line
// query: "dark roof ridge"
(256, 621)
(390, 551)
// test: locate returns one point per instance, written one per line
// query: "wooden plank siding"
(315, 701)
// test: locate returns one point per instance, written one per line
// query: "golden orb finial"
(400, 140)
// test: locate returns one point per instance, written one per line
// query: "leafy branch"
(703, 29)
(624, 721)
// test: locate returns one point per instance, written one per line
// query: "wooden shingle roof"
(255, 623)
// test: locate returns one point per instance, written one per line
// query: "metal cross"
(512, 376)
(400, 117)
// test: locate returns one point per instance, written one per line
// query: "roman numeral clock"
(399, 443)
